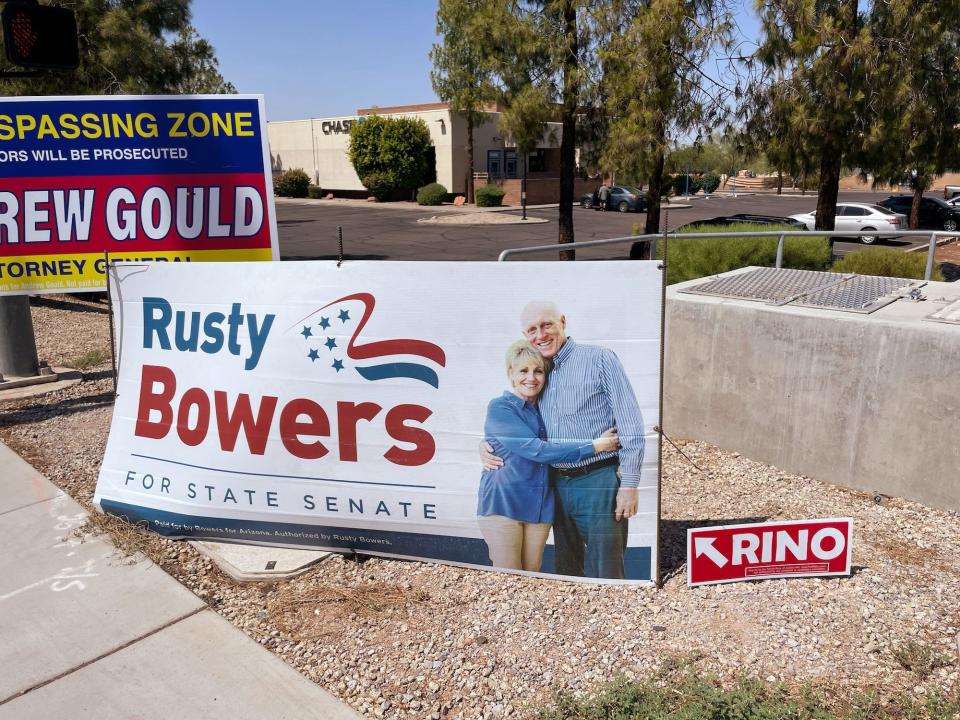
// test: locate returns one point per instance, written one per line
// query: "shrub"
(666, 185)
(398, 146)
(886, 262)
(293, 183)
(691, 258)
(686, 184)
(381, 185)
(489, 195)
(315, 192)
(432, 194)
(710, 183)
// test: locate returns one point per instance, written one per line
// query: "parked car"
(622, 197)
(955, 201)
(860, 216)
(935, 214)
(761, 221)
(951, 191)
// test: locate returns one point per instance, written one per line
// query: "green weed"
(89, 359)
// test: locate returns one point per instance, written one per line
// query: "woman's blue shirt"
(521, 490)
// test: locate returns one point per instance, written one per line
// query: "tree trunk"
(571, 92)
(779, 182)
(836, 133)
(652, 226)
(829, 187)
(470, 158)
(915, 207)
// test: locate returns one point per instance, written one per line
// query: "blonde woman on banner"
(516, 503)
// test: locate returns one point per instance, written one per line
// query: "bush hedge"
(691, 258)
(886, 262)
(293, 183)
(432, 194)
(710, 182)
(681, 184)
(381, 185)
(315, 192)
(398, 147)
(489, 195)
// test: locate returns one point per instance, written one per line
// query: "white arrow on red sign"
(704, 546)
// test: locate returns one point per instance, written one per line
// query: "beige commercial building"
(319, 147)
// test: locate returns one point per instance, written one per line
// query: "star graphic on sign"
(306, 332)
(344, 315)
(313, 355)
(330, 343)
(337, 365)
(324, 323)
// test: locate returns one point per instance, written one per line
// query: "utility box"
(854, 380)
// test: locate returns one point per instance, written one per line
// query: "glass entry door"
(495, 164)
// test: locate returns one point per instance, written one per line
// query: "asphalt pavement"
(374, 231)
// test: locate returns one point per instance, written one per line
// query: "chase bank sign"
(336, 127)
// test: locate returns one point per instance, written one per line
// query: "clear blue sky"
(324, 58)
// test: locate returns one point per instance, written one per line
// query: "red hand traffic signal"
(40, 36)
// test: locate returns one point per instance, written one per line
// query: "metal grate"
(948, 314)
(860, 293)
(765, 284)
(808, 288)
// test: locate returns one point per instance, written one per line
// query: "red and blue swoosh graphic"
(377, 350)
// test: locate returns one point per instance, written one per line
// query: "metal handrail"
(781, 234)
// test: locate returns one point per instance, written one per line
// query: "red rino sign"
(792, 548)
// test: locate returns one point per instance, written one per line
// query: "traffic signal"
(40, 36)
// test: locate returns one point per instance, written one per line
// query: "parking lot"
(308, 229)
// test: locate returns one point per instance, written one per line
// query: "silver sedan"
(860, 217)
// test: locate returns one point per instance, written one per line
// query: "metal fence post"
(780, 252)
(928, 273)
(18, 348)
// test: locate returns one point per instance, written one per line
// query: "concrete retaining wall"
(870, 402)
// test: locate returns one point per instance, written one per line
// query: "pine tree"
(653, 63)
(826, 50)
(462, 69)
(914, 132)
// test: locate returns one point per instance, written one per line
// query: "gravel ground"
(404, 639)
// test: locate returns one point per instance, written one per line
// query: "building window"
(538, 161)
(510, 165)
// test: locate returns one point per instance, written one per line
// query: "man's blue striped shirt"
(587, 393)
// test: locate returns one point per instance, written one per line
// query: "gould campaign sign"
(166, 178)
(486, 414)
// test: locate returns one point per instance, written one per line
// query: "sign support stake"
(658, 580)
(113, 345)
(340, 245)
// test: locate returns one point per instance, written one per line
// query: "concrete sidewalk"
(85, 633)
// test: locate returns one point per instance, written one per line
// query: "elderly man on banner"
(587, 393)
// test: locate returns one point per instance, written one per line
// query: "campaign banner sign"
(456, 412)
(147, 179)
(759, 551)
